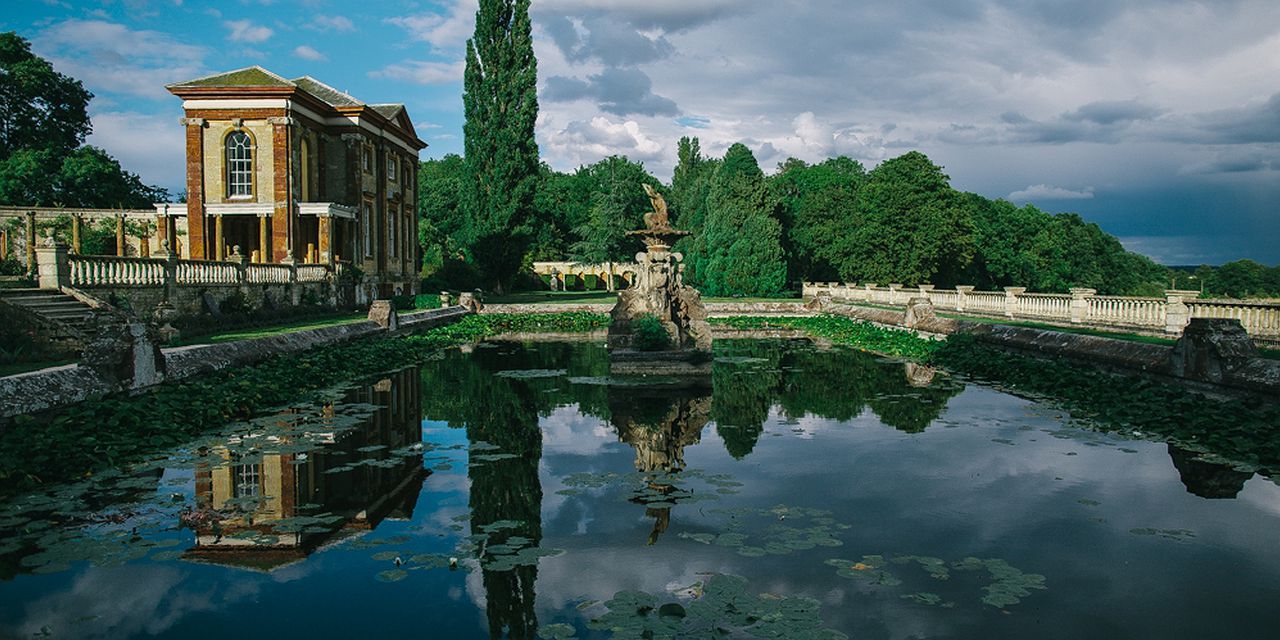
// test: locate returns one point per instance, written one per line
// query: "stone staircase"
(59, 307)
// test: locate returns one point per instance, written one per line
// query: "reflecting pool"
(516, 490)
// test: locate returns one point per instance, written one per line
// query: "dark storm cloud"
(605, 39)
(1251, 124)
(618, 91)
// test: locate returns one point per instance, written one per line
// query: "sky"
(1157, 119)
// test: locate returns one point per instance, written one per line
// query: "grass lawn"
(258, 332)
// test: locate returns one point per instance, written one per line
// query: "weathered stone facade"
(325, 178)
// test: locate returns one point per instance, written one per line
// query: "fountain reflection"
(263, 510)
(1210, 480)
(658, 423)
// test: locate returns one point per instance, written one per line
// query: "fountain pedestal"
(659, 291)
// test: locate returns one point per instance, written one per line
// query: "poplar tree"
(500, 102)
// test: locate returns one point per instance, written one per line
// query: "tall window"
(366, 227)
(239, 165)
(393, 168)
(247, 480)
(392, 222)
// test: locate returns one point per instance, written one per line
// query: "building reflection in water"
(659, 423)
(274, 508)
(1207, 479)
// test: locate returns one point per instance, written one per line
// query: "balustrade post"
(1177, 315)
(53, 264)
(241, 263)
(866, 290)
(295, 291)
(1011, 300)
(893, 292)
(925, 291)
(170, 272)
(444, 299)
(962, 293)
(1080, 304)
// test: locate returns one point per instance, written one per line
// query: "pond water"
(515, 490)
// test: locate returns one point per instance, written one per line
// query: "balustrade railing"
(1169, 314)
(112, 271)
(91, 271)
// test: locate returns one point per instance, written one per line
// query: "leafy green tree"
(743, 239)
(500, 102)
(911, 227)
(43, 123)
(614, 212)
(39, 107)
(816, 203)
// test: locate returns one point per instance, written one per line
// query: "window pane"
(239, 157)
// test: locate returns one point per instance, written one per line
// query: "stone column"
(1011, 299)
(1176, 312)
(326, 239)
(197, 232)
(162, 232)
(924, 291)
(31, 242)
(53, 265)
(4, 244)
(866, 291)
(76, 221)
(144, 246)
(121, 246)
(444, 299)
(1080, 304)
(264, 239)
(962, 294)
(219, 242)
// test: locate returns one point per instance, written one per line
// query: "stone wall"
(57, 387)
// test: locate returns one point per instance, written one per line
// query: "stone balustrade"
(89, 272)
(1168, 315)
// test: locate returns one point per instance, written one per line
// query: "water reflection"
(262, 509)
(1207, 479)
(659, 424)
(831, 383)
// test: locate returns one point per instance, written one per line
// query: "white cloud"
(1050, 192)
(333, 23)
(307, 53)
(586, 141)
(446, 30)
(111, 57)
(420, 72)
(247, 31)
(152, 146)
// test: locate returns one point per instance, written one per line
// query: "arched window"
(239, 165)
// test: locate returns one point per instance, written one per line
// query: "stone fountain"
(659, 290)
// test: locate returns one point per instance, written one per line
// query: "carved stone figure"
(658, 218)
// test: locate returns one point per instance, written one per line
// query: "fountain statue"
(659, 292)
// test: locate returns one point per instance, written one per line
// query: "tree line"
(761, 235)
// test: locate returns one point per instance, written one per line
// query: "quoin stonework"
(297, 171)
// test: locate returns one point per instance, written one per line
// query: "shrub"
(649, 334)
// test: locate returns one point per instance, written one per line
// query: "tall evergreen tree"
(604, 238)
(500, 102)
(743, 240)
